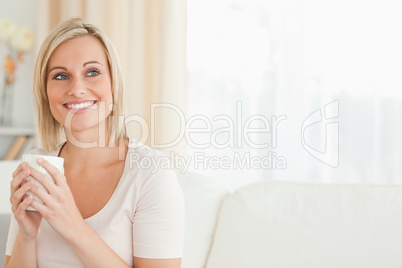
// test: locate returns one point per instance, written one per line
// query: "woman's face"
(79, 83)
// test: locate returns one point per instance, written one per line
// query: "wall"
(22, 12)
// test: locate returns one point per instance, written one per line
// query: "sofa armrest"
(4, 226)
(6, 170)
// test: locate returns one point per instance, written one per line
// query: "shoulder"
(42, 151)
(39, 150)
(145, 159)
(136, 147)
(155, 169)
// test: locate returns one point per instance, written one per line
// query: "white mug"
(32, 161)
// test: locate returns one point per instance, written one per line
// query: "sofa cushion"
(203, 199)
(6, 170)
(288, 225)
(4, 226)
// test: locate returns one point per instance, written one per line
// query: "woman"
(104, 211)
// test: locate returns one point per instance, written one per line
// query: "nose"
(77, 87)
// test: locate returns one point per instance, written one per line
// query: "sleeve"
(158, 224)
(12, 235)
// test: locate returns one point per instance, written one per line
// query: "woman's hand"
(58, 208)
(28, 221)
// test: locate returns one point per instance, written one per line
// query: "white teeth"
(80, 105)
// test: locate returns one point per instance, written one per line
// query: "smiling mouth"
(78, 106)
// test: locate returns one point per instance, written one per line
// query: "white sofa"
(280, 224)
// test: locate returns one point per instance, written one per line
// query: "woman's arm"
(158, 221)
(24, 253)
(154, 263)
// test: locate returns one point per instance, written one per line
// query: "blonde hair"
(49, 128)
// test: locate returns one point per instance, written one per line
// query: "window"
(277, 63)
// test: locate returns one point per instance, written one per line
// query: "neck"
(83, 149)
(91, 137)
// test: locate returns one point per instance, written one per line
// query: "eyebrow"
(64, 68)
(57, 67)
(89, 62)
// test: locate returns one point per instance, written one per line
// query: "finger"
(24, 204)
(41, 194)
(53, 171)
(43, 179)
(18, 195)
(19, 169)
(19, 179)
(22, 207)
(41, 208)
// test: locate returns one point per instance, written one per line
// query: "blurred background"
(242, 91)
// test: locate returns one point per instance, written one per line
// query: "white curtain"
(329, 73)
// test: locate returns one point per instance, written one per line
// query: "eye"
(60, 76)
(93, 72)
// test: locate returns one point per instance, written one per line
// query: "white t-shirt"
(143, 218)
